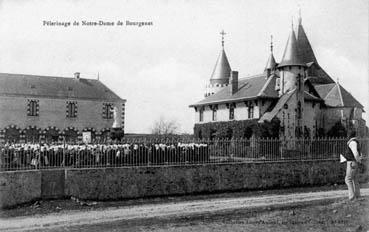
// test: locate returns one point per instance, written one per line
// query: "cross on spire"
(271, 43)
(222, 33)
(300, 19)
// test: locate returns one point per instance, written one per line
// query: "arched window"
(71, 109)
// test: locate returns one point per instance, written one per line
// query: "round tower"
(291, 68)
(292, 74)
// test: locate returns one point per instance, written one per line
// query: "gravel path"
(163, 210)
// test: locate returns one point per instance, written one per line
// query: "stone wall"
(19, 187)
(134, 182)
(116, 183)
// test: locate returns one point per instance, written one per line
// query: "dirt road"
(60, 220)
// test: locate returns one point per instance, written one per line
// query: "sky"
(163, 68)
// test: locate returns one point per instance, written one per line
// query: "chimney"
(76, 75)
(233, 82)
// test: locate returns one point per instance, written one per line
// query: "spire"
(271, 61)
(222, 69)
(222, 33)
(291, 55)
(303, 44)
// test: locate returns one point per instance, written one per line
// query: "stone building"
(290, 99)
(44, 108)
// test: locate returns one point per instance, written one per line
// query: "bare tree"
(165, 127)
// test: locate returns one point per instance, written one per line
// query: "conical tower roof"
(305, 50)
(291, 55)
(222, 69)
(271, 64)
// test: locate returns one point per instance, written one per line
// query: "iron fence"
(157, 152)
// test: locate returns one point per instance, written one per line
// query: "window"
(201, 115)
(299, 110)
(299, 81)
(250, 111)
(214, 116)
(71, 109)
(231, 112)
(107, 110)
(33, 108)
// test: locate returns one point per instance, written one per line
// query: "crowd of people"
(21, 156)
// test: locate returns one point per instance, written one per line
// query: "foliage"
(237, 129)
(165, 127)
(338, 130)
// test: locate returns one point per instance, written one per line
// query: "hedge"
(237, 129)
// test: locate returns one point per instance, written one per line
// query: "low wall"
(117, 183)
(19, 187)
(52, 183)
(132, 182)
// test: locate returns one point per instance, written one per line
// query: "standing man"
(353, 158)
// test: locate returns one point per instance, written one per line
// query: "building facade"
(50, 109)
(296, 94)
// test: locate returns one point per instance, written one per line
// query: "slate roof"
(248, 88)
(317, 75)
(268, 116)
(271, 64)
(305, 50)
(222, 69)
(335, 95)
(291, 54)
(54, 87)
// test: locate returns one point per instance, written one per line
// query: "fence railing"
(169, 152)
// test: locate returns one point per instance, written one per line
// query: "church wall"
(287, 118)
(52, 112)
(333, 115)
(312, 114)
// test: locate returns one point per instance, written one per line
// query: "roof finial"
(98, 76)
(271, 43)
(300, 19)
(292, 22)
(338, 80)
(222, 33)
